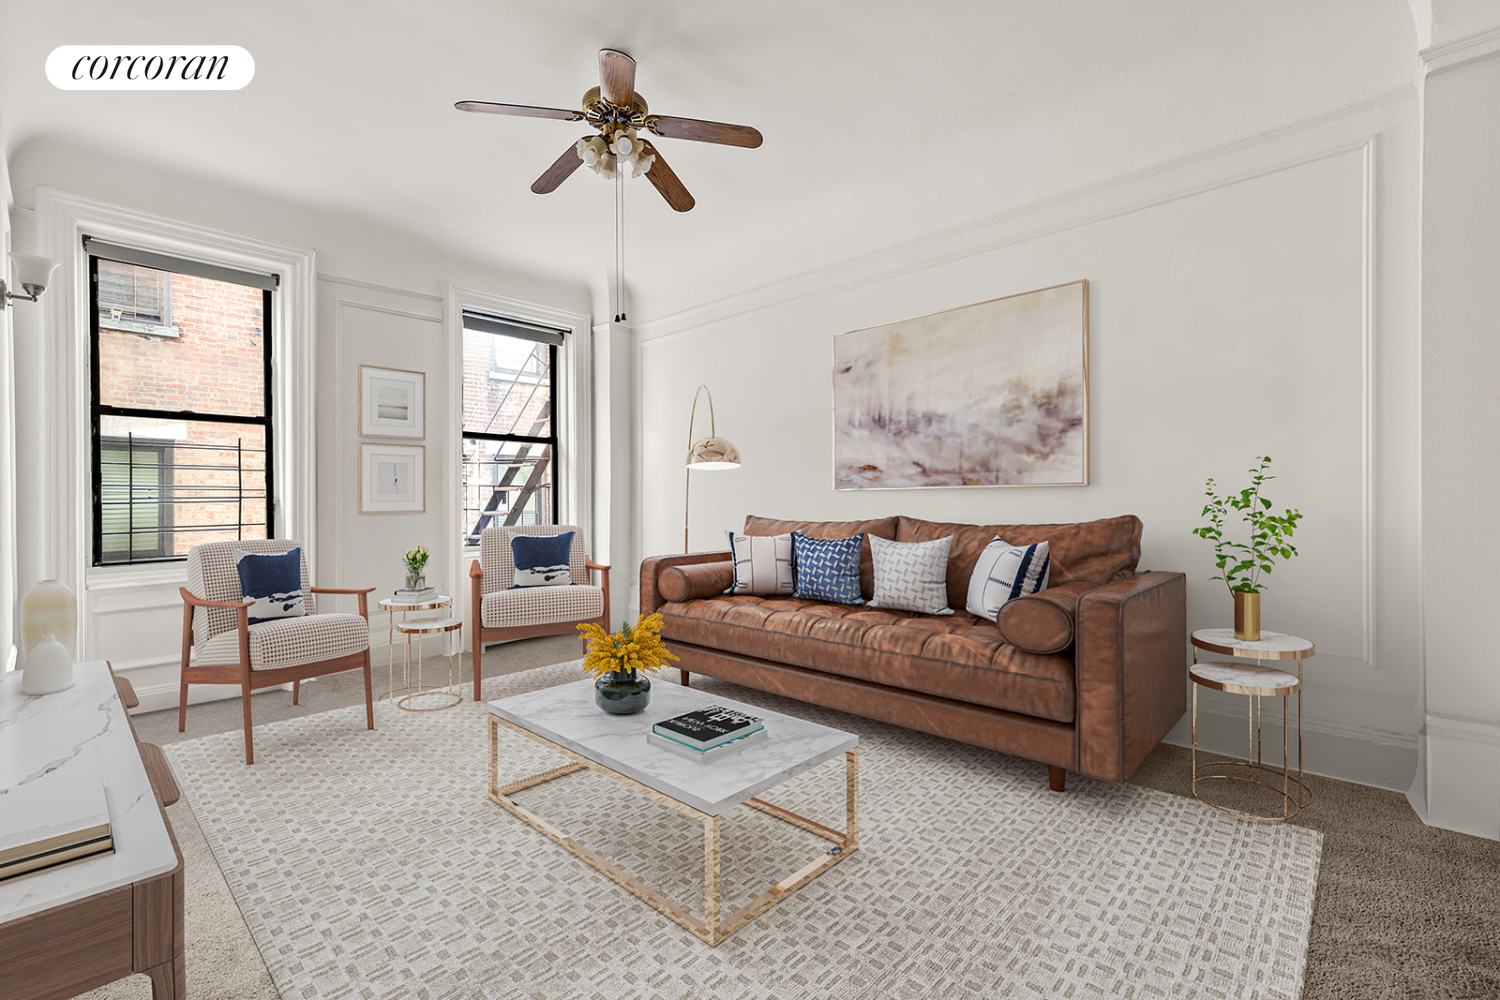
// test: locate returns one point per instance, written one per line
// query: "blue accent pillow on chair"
(273, 582)
(828, 568)
(542, 560)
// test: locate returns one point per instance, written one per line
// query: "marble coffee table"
(565, 719)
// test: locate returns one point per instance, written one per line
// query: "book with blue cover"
(707, 728)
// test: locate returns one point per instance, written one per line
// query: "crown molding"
(1011, 226)
(1459, 52)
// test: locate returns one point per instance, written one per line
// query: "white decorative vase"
(49, 668)
(49, 608)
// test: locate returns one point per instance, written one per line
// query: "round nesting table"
(447, 694)
(390, 606)
(1256, 681)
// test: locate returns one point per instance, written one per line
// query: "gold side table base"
(710, 927)
(1297, 795)
(424, 690)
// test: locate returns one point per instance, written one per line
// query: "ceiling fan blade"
(519, 110)
(616, 77)
(701, 131)
(560, 171)
(665, 181)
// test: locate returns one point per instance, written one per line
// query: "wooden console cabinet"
(67, 931)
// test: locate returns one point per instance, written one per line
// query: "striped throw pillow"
(1005, 572)
(762, 564)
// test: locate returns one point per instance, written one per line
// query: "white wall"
(1460, 784)
(8, 598)
(380, 296)
(1256, 300)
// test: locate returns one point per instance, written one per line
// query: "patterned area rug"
(372, 865)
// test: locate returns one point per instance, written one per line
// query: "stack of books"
(56, 820)
(707, 734)
(416, 596)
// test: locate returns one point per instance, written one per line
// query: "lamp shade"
(33, 271)
(713, 453)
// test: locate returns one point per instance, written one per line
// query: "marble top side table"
(1256, 681)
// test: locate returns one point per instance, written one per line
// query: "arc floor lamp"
(712, 452)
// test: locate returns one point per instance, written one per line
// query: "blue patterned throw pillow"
(1005, 572)
(273, 582)
(828, 568)
(542, 560)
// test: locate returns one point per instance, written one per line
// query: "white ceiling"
(885, 120)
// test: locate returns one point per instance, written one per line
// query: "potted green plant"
(1242, 564)
(415, 560)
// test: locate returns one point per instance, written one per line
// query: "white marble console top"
(80, 730)
(567, 715)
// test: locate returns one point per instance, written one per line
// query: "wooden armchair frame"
(252, 680)
(481, 635)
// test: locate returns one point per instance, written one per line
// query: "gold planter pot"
(1246, 616)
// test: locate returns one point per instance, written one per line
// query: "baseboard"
(1462, 773)
(158, 697)
(1364, 755)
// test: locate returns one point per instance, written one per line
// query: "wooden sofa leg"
(685, 675)
(1057, 777)
(182, 706)
(296, 691)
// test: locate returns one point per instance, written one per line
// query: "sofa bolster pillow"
(1043, 622)
(695, 580)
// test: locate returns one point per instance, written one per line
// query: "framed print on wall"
(392, 478)
(991, 394)
(392, 403)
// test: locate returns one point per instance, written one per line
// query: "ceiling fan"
(617, 112)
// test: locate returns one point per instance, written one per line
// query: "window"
(135, 299)
(510, 440)
(181, 373)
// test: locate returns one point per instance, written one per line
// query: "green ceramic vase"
(622, 692)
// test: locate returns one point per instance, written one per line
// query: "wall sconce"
(32, 274)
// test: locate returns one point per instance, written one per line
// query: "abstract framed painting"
(392, 402)
(392, 478)
(991, 394)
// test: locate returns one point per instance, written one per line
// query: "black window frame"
(552, 442)
(98, 410)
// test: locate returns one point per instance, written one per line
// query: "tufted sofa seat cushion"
(960, 657)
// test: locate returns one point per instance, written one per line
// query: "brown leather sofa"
(1085, 676)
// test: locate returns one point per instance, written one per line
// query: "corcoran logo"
(150, 67)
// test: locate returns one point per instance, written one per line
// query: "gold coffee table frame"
(710, 927)
(1295, 792)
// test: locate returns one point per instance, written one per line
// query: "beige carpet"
(370, 864)
(1402, 909)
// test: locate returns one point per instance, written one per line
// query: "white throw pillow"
(911, 576)
(762, 564)
(1005, 572)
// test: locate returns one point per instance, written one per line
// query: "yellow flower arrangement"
(628, 650)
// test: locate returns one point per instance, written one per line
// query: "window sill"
(145, 329)
(97, 578)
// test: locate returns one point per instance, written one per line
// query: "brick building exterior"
(507, 390)
(206, 355)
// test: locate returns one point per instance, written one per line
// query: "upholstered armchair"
(219, 646)
(498, 612)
